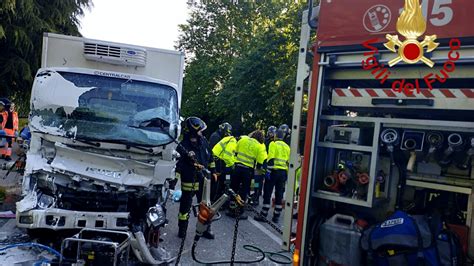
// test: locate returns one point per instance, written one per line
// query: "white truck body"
(104, 119)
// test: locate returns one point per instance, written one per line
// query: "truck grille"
(93, 201)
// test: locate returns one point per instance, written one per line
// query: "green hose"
(272, 256)
(284, 258)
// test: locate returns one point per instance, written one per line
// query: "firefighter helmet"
(194, 125)
(280, 134)
(286, 129)
(271, 132)
(225, 128)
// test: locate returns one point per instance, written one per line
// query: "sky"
(152, 23)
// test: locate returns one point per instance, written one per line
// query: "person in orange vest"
(3, 121)
(11, 129)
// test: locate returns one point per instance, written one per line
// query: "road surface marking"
(266, 231)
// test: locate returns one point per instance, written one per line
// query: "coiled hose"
(283, 259)
(50, 250)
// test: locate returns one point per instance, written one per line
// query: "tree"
(241, 62)
(21, 29)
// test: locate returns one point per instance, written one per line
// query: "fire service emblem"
(411, 24)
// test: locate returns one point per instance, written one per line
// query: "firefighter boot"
(276, 217)
(208, 233)
(182, 228)
(262, 217)
(255, 198)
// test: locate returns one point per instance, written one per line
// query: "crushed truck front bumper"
(58, 219)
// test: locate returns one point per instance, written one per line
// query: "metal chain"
(236, 230)
(272, 225)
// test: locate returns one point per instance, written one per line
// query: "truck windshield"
(105, 109)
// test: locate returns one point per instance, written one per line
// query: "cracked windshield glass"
(111, 109)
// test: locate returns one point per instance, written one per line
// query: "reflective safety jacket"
(298, 178)
(11, 121)
(225, 150)
(185, 166)
(249, 152)
(278, 155)
(3, 119)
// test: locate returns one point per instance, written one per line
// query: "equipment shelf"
(351, 147)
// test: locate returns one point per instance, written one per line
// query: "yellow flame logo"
(411, 24)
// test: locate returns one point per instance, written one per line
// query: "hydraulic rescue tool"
(205, 217)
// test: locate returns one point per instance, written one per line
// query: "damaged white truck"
(104, 117)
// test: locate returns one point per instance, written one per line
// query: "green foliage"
(241, 62)
(22, 23)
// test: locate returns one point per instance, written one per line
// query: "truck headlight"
(26, 219)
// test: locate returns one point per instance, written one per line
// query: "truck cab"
(104, 119)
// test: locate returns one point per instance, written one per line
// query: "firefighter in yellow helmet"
(277, 164)
(249, 156)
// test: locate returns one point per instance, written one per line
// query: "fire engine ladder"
(303, 78)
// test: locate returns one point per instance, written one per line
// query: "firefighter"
(11, 129)
(249, 156)
(218, 185)
(224, 152)
(260, 174)
(287, 133)
(271, 133)
(277, 166)
(195, 155)
(297, 186)
(3, 121)
(225, 129)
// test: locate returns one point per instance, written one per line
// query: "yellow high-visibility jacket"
(249, 152)
(225, 150)
(279, 154)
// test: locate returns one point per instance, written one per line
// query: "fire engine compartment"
(367, 138)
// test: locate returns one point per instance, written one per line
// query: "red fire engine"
(383, 119)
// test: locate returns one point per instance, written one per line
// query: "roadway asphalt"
(250, 232)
